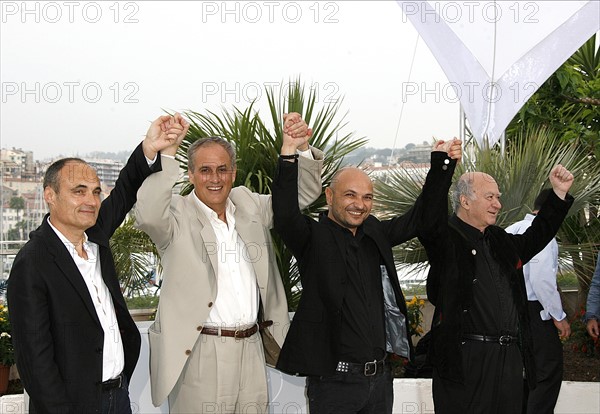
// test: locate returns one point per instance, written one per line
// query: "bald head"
(476, 199)
(349, 197)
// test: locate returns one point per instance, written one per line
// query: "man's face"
(350, 198)
(74, 207)
(483, 209)
(213, 176)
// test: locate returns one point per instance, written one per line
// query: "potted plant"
(7, 352)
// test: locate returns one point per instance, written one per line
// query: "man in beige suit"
(206, 354)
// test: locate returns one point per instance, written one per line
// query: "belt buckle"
(505, 340)
(370, 368)
(235, 334)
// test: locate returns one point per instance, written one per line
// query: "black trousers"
(493, 381)
(548, 353)
(344, 393)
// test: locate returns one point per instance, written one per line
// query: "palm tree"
(257, 145)
(520, 173)
(135, 256)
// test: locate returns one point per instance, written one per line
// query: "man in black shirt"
(352, 312)
(481, 338)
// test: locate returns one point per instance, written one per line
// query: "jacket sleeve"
(152, 211)
(428, 216)
(32, 339)
(122, 198)
(544, 227)
(289, 221)
(593, 299)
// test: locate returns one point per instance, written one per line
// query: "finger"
(438, 145)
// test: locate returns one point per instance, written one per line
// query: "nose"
(497, 204)
(92, 199)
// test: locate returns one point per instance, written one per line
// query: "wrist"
(287, 150)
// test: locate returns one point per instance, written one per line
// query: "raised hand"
(561, 180)
(453, 148)
(295, 134)
(164, 135)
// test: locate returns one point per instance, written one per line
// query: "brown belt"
(236, 333)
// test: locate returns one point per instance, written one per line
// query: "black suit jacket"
(312, 344)
(453, 271)
(57, 335)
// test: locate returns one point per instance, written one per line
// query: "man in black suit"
(352, 312)
(481, 338)
(76, 345)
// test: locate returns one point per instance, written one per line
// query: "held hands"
(295, 134)
(164, 135)
(561, 180)
(453, 148)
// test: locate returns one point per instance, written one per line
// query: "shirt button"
(465, 310)
(446, 161)
(210, 304)
(188, 352)
(474, 281)
(199, 328)
(473, 252)
(444, 167)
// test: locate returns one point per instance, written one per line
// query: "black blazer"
(57, 335)
(451, 276)
(312, 344)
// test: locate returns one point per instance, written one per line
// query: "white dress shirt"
(540, 274)
(236, 304)
(113, 356)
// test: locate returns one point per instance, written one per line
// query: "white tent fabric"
(496, 54)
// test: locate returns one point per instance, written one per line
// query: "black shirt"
(363, 329)
(493, 311)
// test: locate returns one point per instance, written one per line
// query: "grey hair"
(464, 186)
(210, 141)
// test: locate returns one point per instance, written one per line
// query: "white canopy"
(496, 54)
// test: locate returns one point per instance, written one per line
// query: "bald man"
(352, 313)
(481, 338)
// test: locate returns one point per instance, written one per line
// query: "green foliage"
(580, 340)
(258, 140)
(568, 103)
(142, 302)
(414, 309)
(18, 203)
(7, 352)
(566, 280)
(134, 255)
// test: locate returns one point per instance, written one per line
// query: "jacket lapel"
(256, 251)
(205, 237)
(67, 267)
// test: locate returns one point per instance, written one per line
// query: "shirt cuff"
(306, 154)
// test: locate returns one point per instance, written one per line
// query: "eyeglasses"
(208, 172)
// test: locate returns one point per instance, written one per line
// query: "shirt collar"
(324, 218)
(211, 214)
(469, 231)
(70, 246)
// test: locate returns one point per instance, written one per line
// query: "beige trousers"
(222, 375)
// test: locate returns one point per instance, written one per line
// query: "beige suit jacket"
(188, 248)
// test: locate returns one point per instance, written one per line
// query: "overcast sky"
(89, 76)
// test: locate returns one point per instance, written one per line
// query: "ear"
(464, 202)
(233, 175)
(49, 195)
(329, 196)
